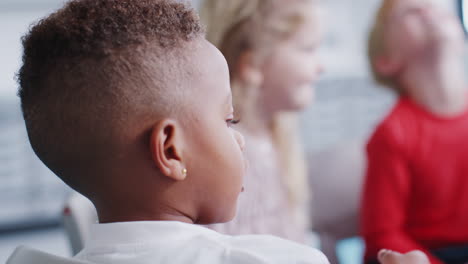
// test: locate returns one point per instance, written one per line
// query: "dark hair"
(86, 80)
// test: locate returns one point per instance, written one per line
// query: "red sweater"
(416, 189)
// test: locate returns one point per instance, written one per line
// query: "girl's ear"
(166, 145)
(249, 71)
(386, 65)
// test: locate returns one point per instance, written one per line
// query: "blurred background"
(348, 106)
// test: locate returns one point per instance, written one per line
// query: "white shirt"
(158, 242)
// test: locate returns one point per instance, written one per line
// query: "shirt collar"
(142, 232)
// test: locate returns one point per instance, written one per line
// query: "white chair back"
(78, 216)
(25, 255)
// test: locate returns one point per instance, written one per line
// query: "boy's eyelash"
(233, 121)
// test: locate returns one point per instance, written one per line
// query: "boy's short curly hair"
(96, 69)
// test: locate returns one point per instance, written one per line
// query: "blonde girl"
(271, 49)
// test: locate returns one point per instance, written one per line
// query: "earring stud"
(184, 172)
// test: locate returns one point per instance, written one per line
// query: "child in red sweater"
(415, 194)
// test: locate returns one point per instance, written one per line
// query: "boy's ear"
(386, 65)
(248, 70)
(166, 148)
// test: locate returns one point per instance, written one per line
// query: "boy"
(415, 192)
(128, 104)
(115, 100)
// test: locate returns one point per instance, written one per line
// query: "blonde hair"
(237, 26)
(376, 43)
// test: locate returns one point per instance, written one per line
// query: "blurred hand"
(391, 257)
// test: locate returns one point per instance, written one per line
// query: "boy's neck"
(437, 84)
(125, 212)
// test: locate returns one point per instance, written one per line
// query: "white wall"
(344, 49)
(12, 26)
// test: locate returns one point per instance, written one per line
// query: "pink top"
(263, 207)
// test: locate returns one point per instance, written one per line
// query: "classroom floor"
(53, 240)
